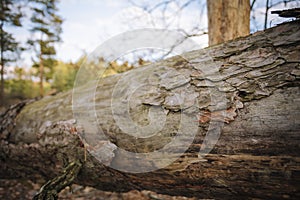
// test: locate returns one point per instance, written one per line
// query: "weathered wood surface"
(256, 156)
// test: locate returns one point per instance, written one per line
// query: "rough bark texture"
(256, 156)
(227, 20)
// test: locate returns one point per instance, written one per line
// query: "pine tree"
(46, 32)
(10, 15)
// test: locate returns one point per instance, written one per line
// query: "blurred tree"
(21, 86)
(10, 15)
(227, 20)
(114, 68)
(46, 32)
(64, 76)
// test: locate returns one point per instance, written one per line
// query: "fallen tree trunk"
(256, 155)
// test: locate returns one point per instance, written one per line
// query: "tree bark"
(256, 155)
(227, 20)
(2, 63)
(41, 70)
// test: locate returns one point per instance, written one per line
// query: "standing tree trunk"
(227, 20)
(41, 69)
(257, 155)
(2, 64)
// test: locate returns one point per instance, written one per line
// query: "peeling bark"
(257, 154)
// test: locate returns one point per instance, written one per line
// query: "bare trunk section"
(227, 20)
(2, 64)
(257, 154)
(41, 69)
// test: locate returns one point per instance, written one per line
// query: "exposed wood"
(256, 156)
(227, 20)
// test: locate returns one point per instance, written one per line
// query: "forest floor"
(25, 190)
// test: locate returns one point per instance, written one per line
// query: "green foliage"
(9, 48)
(21, 89)
(49, 65)
(10, 13)
(21, 86)
(64, 76)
